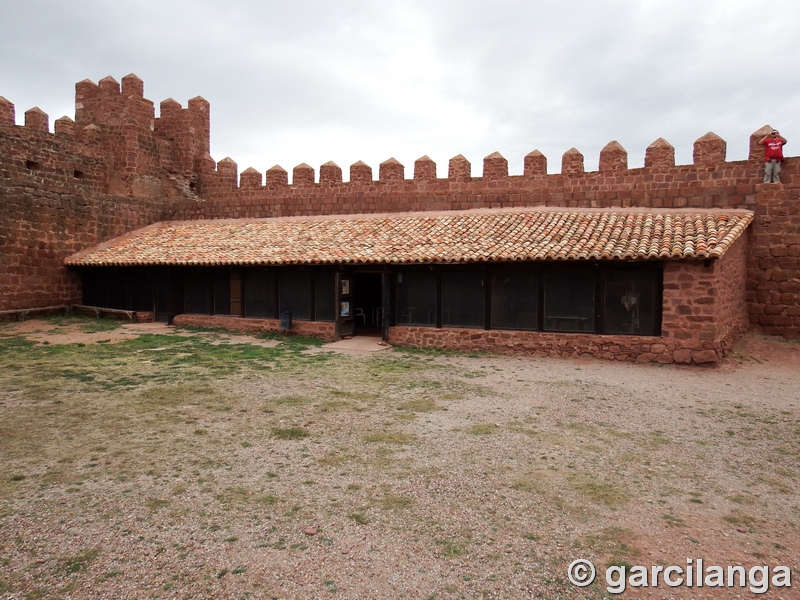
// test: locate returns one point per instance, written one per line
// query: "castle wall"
(773, 259)
(118, 167)
(109, 171)
(53, 203)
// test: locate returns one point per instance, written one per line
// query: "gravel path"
(397, 475)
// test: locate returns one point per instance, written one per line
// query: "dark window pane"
(569, 299)
(463, 301)
(515, 298)
(93, 287)
(116, 290)
(141, 291)
(324, 296)
(294, 292)
(197, 286)
(222, 293)
(631, 302)
(416, 298)
(259, 294)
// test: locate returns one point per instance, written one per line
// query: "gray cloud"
(312, 81)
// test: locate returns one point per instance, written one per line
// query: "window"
(515, 298)
(568, 298)
(197, 293)
(630, 301)
(324, 296)
(463, 299)
(295, 293)
(222, 293)
(416, 297)
(259, 294)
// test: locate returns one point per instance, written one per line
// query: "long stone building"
(120, 209)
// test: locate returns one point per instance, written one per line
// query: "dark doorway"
(169, 295)
(367, 303)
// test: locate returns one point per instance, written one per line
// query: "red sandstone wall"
(123, 152)
(773, 266)
(704, 306)
(105, 173)
(704, 314)
(730, 296)
(773, 262)
(532, 343)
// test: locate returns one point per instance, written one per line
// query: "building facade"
(670, 263)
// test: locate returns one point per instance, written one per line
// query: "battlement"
(709, 151)
(143, 153)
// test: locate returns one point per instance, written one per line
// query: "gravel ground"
(188, 464)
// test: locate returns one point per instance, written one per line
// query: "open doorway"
(367, 303)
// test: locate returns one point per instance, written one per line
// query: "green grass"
(389, 437)
(78, 562)
(290, 433)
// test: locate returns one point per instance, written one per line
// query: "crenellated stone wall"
(117, 167)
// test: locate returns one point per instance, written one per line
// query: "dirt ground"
(414, 475)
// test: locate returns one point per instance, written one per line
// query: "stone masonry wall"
(704, 309)
(117, 167)
(773, 265)
(109, 171)
(704, 314)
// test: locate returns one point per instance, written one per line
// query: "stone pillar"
(613, 157)
(659, 154)
(535, 164)
(424, 169)
(459, 168)
(709, 150)
(391, 170)
(572, 162)
(495, 167)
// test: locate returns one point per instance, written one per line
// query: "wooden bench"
(99, 311)
(22, 313)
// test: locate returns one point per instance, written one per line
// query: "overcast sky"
(309, 81)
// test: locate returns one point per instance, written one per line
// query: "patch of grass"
(291, 400)
(335, 459)
(483, 429)
(358, 517)
(597, 490)
(155, 504)
(389, 437)
(535, 482)
(741, 499)
(451, 548)
(673, 520)
(419, 405)
(740, 518)
(615, 543)
(290, 433)
(79, 562)
(395, 502)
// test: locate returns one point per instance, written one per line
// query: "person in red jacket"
(773, 156)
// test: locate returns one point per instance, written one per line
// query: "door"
(169, 295)
(345, 321)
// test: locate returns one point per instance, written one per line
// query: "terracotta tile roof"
(444, 237)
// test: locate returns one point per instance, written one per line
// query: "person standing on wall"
(773, 156)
